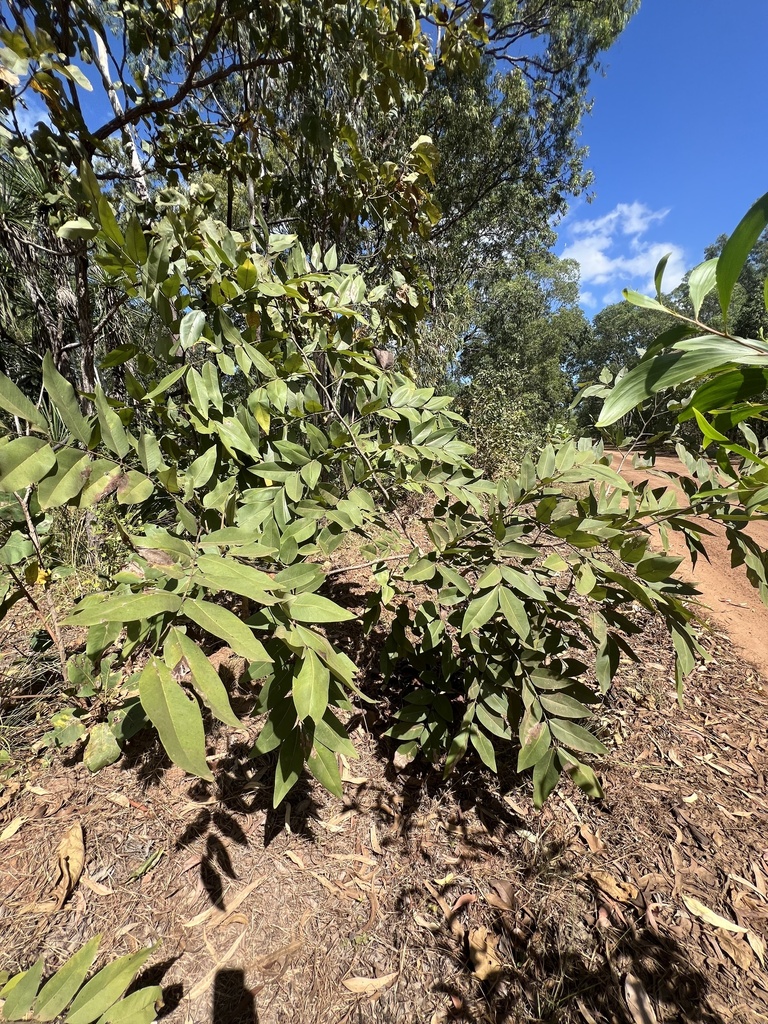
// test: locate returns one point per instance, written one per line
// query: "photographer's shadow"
(233, 1002)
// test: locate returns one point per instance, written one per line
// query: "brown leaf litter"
(418, 900)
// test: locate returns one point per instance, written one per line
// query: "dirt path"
(733, 603)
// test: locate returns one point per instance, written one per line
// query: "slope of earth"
(420, 901)
(728, 598)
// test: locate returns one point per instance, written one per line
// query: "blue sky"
(677, 140)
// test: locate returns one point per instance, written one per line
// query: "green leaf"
(16, 549)
(103, 478)
(638, 299)
(78, 228)
(324, 766)
(166, 383)
(201, 470)
(737, 249)
(290, 763)
(137, 1008)
(102, 748)
(191, 328)
(23, 462)
(582, 775)
(658, 276)
(576, 737)
(310, 687)
(176, 717)
(224, 624)
(72, 472)
(21, 997)
(56, 994)
(330, 259)
(133, 488)
(109, 225)
(15, 402)
(314, 608)
(563, 706)
(513, 610)
(546, 774)
(701, 282)
(63, 396)
(149, 452)
(480, 610)
(105, 988)
(332, 734)
(484, 747)
(655, 568)
(699, 356)
(113, 433)
(205, 678)
(726, 389)
(524, 582)
(537, 742)
(135, 243)
(233, 576)
(124, 608)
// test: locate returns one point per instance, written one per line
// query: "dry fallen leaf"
(120, 799)
(736, 948)
(97, 887)
(37, 790)
(486, 965)
(624, 892)
(592, 839)
(375, 844)
(369, 986)
(12, 829)
(758, 946)
(638, 1001)
(463, 901)
(709, 916)
(71, 861)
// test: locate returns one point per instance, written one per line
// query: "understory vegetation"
(280, 307)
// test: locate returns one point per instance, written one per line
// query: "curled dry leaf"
(709, 916)
(736, 948)
(463, 901)
(624, 892)
(369, 986)
(638, 1001)
(71, 854)
(425, 922)
(375, 844)
(483, 954)
(592, 839)
(71, 861)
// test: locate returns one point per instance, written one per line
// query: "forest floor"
(418, 901)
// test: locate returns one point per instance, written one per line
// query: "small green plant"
(26, 997)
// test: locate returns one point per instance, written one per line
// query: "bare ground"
(728, 598)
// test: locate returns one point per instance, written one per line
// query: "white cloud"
(30, 112)
(611, 250)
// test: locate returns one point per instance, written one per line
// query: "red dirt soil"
(731, 602)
